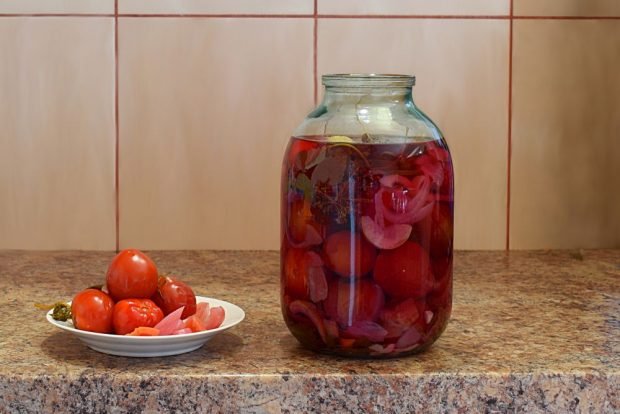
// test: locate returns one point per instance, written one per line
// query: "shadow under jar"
(366, 222)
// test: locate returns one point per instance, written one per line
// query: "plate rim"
(155, 339)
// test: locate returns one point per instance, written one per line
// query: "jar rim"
(368, 80)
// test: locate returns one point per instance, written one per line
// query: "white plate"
(154, 346)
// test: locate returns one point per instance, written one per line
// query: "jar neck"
(338, 95)
(368, 89)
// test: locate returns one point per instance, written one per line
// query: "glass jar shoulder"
(369, 123)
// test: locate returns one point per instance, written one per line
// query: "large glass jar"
(367, 218)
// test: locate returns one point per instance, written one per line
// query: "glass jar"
(367, 219)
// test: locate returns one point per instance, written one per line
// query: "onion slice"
(367, 329)
(171, 323)
(309, 310)
(388, 237)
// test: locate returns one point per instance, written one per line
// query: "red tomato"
(435, 231)
(352, 301)
(349, 255)
(441, 296)
(144, 331)
(216, 317)
(302, 229)
(91, 310)
(131, 274)
(172, 294)
(195, 324)
(205, 318)
(441, 230)
(130, 314)
(399, 317)
(303, 276)
(294, 275)
(404, 272)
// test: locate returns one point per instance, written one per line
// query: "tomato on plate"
(144, 331)
(131, 274)
(172, 294)
(91, 310)
(205, 318)
(130, 314)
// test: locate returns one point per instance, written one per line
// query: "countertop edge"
(588, 391)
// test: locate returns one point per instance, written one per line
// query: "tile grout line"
(315, 54)
(116, 133)
(509, 147)
(56, 15)
(222, 15)
(314, 16)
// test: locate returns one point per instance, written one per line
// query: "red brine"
(366, 244)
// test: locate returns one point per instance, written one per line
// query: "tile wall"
(160, 124)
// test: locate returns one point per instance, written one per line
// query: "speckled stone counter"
(530, 332)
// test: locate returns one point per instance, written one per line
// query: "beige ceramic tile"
(567, 8)
(57, 6)
(57, 139)
(566, 148)
(425, 7)
(217, 6)
(462, 83)
(207, 107)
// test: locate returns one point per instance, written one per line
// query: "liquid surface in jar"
(366, 245)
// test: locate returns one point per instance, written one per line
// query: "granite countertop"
(530, 332)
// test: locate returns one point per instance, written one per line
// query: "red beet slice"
(388, 237)
(310, 311)
(404, 272)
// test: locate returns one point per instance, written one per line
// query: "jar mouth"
(368, 80)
